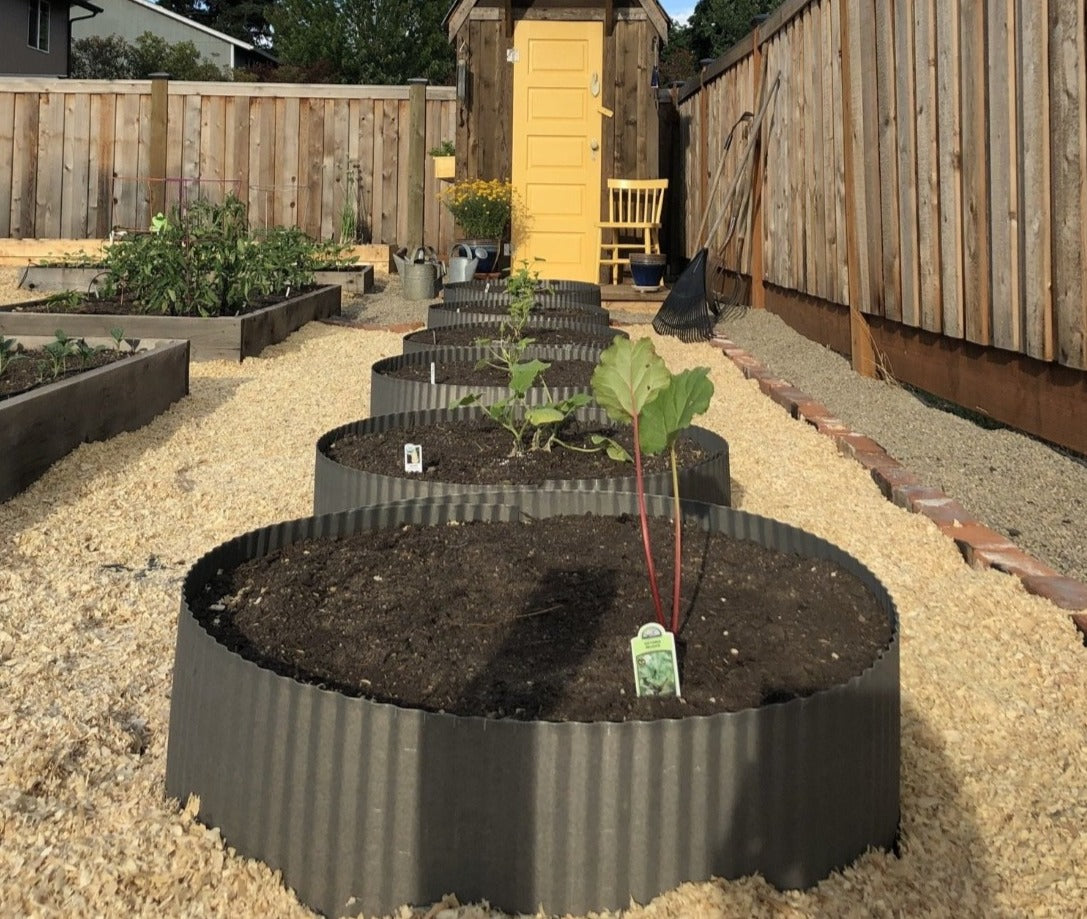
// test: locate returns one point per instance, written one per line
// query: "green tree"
(362, 41)
(97, 58)
(243, 19)
(182, 61)
(716, 25)
(677, 61)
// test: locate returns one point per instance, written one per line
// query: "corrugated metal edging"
(389, 395)
(366, 806)
(337, 487)
(556, 294)
(490, 327)
(472, 312)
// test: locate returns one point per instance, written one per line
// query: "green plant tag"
(656, 670)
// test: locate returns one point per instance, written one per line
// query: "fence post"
(156, 168)
(416, 159)
(861, 350)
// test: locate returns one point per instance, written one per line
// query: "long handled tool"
(687, 312)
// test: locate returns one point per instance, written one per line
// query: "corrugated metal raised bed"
(389, 394)
(339, 487)
(365, 806)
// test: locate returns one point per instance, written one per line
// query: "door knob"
(594, 145)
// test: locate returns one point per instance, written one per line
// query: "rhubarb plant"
(634, 386)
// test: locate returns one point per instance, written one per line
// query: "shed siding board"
(905, 100)
(1004, 209)
(928, 166)
(889, 188)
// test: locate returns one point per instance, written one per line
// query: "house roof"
(460, 10)
(222, 36)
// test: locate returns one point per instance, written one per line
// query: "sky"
(679, 10)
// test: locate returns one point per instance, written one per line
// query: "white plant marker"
(413, 457)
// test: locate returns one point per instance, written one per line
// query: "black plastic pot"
(428, 339)
(366, 806)
(337, 487)
(389, 395)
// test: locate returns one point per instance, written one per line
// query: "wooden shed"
(558, 96)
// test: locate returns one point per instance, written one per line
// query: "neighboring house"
(131, 18)
(35, 36)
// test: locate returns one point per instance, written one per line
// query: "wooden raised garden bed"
(230, 338)
(39, 427)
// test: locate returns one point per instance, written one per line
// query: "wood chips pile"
(91, 559)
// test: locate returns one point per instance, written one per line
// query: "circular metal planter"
(337, 487)
(558, 295)
(440, 314)
(365, 806)
(424, 339)
(389, 394)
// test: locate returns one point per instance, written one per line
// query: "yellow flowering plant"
(481, 207)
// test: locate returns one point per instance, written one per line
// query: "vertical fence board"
(391, 229)
(812, 236)
(237, 161)
(126, 149)
(975, 173)
(285, 199)
(928, 190)
(367, 169)
(103, 116)
(1068, 98)
(49, 189)
(875, 294)
(889, 187)
(262, 125)
(188, 186)
(212, 148)
(950, 166)
(143, 163)
(1035, 224)
(7, 145)
(311, 167)
(175, 139)
(77, 130)
(335, 168)
(840, 224)
(24, 165)
(1003, 207)
(856, 199)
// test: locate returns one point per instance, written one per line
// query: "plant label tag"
(656, 670)
(432, 373)
(413, 457)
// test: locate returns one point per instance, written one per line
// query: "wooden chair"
(633, 224)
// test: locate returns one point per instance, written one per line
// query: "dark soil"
(559, 374)
(478, 452)
(468, 335)
(534, 620)
(35, 368)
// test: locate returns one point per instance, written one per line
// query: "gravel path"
(90, 569)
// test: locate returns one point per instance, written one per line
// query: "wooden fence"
(925, 161)
(76, 155)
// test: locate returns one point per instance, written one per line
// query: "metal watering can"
(419, 273)
(462, 264)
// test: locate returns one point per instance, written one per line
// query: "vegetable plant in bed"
(199, 275)
(434, 683)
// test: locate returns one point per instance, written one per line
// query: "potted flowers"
(482, 209)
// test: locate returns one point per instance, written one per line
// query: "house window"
(38, 25)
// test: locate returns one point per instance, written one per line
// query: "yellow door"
(557, 79)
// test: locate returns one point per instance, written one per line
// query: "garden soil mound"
(91, 562)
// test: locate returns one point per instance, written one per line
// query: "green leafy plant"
(84, 351)
(9, 353)
(349, 221)
(118, 336)
(65, 299)
(57, 353)
(445, 148)
(634, 386)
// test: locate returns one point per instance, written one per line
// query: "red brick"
(1080, 622)
(910, 496)
(891, 476)
(972, 537)
(832, 427)
(943, 511)
(1064, 592)
(851, 444)
(1014, 561)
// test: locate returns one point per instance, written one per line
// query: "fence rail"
(924, 162)
(76, 155)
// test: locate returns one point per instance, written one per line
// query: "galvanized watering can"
(462, 264)
(419, 273)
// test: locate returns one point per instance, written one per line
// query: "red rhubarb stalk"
(642, 514)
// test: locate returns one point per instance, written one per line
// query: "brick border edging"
(981, 547)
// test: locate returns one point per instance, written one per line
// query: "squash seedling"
(634, 386)
(9, 352)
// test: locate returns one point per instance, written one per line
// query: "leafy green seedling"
(9, 352)
(58, 351)
(118, 336)
(634, 386)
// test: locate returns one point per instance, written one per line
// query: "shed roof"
(460, 9)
